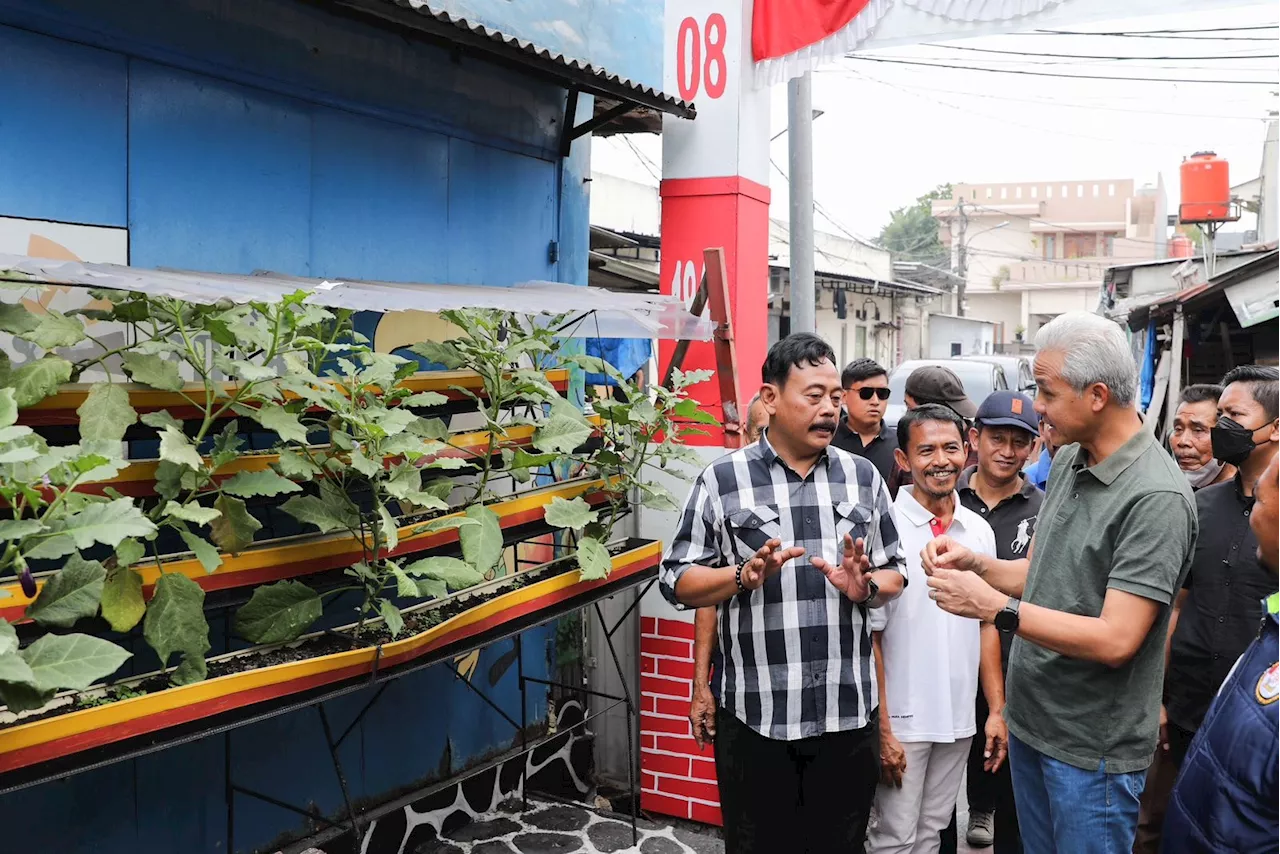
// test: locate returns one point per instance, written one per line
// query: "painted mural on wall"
(623, 37)
(64, 242)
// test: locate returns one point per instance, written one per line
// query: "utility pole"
(800, 171)
(962, 258)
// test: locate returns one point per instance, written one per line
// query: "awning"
(621, 105)
(593, 313)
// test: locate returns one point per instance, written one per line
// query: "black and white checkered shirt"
(796, 653)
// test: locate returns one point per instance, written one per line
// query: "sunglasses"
(868, 393)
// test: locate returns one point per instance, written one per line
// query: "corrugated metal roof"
(508, 49)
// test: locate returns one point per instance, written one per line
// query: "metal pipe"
(800, 172)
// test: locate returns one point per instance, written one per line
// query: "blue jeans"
(1063, 809)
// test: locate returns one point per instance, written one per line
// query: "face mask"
(1204, 475)
(1232, 443)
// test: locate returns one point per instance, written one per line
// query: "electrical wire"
(644, 161)
(1061, 76)
(1094, 56)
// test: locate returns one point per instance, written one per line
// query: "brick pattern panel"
(677, 778)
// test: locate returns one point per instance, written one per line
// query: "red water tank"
(1181, 246)
(1206, 189)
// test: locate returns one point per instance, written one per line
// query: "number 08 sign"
(715, 174)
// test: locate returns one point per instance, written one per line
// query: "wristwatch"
(873, 590)
(1007, 617)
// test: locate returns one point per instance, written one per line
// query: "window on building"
(1080, 246)
(1017, 192)
(1109, 244)
(1066, 191)
(1050, 242)
(1111, 189)
(988, 192)
(1079, 191)
(1035, 191)
(1095, 191)
(1004, 192)
(1048, 192)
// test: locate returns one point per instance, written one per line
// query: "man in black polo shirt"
(1216, 614)
(996, 489)
(862, 430)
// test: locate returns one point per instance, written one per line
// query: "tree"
(912, 231)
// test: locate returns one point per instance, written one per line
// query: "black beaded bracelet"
(737, 576)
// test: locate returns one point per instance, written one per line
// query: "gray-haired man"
(1112, 545)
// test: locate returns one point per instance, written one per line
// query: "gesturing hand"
(702, 714)
(767, 562)
(965, 594)
(945, 553)
(851, 575)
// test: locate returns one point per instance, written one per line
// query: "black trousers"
(810, 796)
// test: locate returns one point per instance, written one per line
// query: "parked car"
(979, 380)
(1017, 370)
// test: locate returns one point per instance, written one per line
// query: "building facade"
(1032, 251)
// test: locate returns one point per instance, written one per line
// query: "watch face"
(1007, 621)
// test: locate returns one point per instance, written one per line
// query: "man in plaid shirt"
(793, 541)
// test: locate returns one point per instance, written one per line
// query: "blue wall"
(265, 135)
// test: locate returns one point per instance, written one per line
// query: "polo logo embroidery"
(1016, 406)
(1023, 539)
(1268, 685)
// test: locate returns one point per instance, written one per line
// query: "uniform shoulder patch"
(1268, 689)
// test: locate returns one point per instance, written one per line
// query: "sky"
(891, 132)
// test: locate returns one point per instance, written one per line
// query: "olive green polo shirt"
(1127, 523)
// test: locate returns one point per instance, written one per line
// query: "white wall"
(622, 205)
(997, 307)
(975, 337)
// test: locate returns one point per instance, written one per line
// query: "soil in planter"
(327, 643)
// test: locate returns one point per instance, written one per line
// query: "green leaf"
(39, 378)
(248, 484)
(327, 512)
(391, 615)
(364, 465)
(441, 353)
(658, 497)
(54, 330)
(191, 512)
(21, 696)
(569, 514)
(457, 574)
(430, 428)
(210, 558)
(482, 544)
(281, 421)
(153, 371)
(175, 621)
(405, 586)
(122, 601)
(593, 560)
(70, 594)
(445, 524)
(295, 465)
(393, 421)
(129, 552)
(192, 669)
(8, 642)
(72, 662)
(16, 529)
(425, 399)
(405, 478)
(278, 612)
(448, 463)
(160, 419)
(177, 449)
(561, 434)
(15, 318)
(426, 500)
(226, 445)
(234, 530)
(107, 523)
(432, 588)
(8, 407)
(681, 379)
(390, 532)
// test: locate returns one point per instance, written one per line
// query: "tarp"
(594, 313)
(790, 37)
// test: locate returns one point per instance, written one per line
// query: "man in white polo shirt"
(927, 660)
